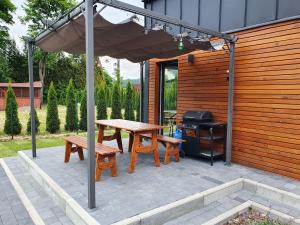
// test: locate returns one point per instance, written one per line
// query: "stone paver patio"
(149, 187)
(12, 211)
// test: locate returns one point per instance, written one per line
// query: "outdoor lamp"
(180, 45)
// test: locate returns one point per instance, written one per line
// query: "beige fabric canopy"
(124, 40)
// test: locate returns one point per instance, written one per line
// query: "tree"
(5, 70)
(37, 123)
(137, 105)
(71, 103)
(129, 102)
(101, 103)
(6, 17)
(116, 101)
(36, 13)
(12, 125)
(83, 112)
(52, 120)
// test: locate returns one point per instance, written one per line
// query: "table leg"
(155, 149)
(135, 145)
(130, 141)
(68, 148)
(101, 134)
(119, 139)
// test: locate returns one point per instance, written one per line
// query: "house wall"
(266, 122)
(22, 96)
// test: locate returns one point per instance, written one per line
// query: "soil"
(253, 217)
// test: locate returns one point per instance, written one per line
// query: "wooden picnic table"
(135, 129)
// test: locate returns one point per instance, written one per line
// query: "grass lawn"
(10, 147)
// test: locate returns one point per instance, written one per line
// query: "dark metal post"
(31, 93)
(230, 104)
(89, 38)
(141, 91)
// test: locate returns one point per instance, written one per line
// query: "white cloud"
(128, 69)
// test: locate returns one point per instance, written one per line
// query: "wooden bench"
(172, 146)
(105, 155)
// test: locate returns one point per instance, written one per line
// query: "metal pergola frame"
(87, 8)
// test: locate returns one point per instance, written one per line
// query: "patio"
(150, 187)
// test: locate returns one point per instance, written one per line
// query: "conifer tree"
(37, 123)
(101, 102)
(12, 125)
(52, 120)
(129, 102)
(83, 112)
(137, 105)
(116, 101)
(72, 111)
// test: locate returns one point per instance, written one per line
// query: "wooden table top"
(130, 125)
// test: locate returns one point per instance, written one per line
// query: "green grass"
(10, 147)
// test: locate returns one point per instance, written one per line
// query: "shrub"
(83, 112)
(12, 125)
(72, 113)
(101, 102)
(129, 102)
(116, 101)
(52, 119)
(37, 123)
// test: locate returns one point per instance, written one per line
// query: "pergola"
(83, 30)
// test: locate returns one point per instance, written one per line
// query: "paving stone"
(44, 205)
(12, 211)
(150, 187)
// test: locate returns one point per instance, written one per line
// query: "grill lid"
(197, 116)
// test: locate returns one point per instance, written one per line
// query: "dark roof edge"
(263, 24)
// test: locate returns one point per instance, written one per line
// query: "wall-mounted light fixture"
(191, 59)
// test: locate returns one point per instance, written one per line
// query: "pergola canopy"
(81, 31)
(123, 40)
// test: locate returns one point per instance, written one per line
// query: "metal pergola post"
(31, 94)
(89, 38)
(230, 103)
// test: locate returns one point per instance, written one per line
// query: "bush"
(72, 113)
(116, 101)
(129, 102)
(12, 124)
(83, 112)
(52, 119)
(101, 102)
(37, 123)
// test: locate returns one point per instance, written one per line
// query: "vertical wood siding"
(266, 123)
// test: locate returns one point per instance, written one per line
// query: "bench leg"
(112, 160)
(99, 161)
(104, 163)
(171, 150)
(80, 153)
(68, 148)
(167, 154)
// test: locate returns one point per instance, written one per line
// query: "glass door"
(168, 95)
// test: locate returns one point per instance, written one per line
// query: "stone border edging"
(180, 207)
(71, 208)
(275, 194)
(34, 215)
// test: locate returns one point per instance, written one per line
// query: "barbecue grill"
(201, 132)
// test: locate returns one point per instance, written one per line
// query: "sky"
(128, 70)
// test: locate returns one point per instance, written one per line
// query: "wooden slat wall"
(266, 125)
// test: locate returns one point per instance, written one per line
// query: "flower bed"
(253, 217)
